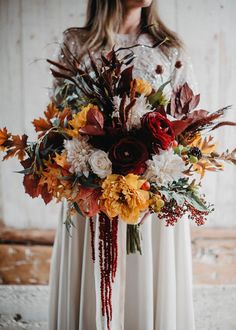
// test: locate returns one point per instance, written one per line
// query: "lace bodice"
(146, 59)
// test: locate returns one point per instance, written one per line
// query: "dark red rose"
(128, 155)
(158, 130)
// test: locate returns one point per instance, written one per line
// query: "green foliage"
(182, 191)
(158, 98)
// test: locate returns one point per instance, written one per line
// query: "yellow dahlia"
(142, 86)
(122, 196)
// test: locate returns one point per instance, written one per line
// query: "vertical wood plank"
(12, 105)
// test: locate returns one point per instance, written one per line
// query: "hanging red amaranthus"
(108, 253)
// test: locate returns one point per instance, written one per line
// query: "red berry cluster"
(172, 213)
(198, 216)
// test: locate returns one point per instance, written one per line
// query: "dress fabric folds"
(152, 291)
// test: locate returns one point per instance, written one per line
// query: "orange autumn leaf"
(204, 165)
(44, 124)
(61, 160)
(65, 113)
(41, 124)
(51, 177)
(51, 111)
(4, 136)
(17, 147)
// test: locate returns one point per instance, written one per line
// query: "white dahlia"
(164, 168)
(140, 107)
(78, 153)
(116, 102)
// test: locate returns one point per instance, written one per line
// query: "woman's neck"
(131, 21)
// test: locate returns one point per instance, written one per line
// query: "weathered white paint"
(215, 307)
(29, 31)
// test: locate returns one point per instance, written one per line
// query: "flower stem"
(133, 241)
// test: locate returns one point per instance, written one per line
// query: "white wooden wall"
(29, 30)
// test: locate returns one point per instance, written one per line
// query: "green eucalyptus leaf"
(76, 206)
(25, 171)
(196, 202)
(38, 155)
(167, 194)
(66, 178)
(179, 198)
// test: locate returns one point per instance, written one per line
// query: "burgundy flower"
(128, 155)
(158, 130)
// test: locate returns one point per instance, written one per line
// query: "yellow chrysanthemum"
(123, 197)
(142, 86)
(79, 120)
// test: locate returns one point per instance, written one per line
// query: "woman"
(154, 290)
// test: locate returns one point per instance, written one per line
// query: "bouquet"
(117, 147)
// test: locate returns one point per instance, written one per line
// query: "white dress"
(152, 291)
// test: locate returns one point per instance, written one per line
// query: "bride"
(152, 290)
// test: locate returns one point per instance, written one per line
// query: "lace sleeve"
(68, 45)
(185, 73)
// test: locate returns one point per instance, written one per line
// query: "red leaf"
(46, 196)
(92, 130)
(122, 108)
(30, 183)
(182, 101)
(198, 114)
(127, 109)
(186, 94)
(95, 123)
(32, 188)
(223, 123)
(161, 110)
(125, 80)
(95, 117)
(58, 65)
(88, 200)
(194, 102)
(4, 136)
(179, 126)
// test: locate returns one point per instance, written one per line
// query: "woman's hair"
(105, 16)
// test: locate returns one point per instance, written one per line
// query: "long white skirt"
(152, 291)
